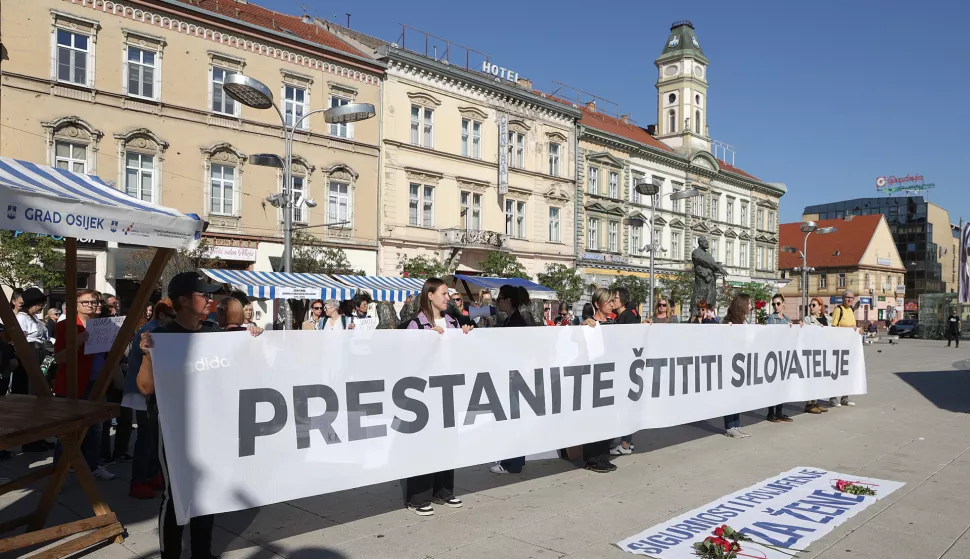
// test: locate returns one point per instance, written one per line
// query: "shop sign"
(499, 72)
(882, 299)
(601, 257)
(884, 261)
(81, 242)
(232, 253)
(503, 154)
(912, 306)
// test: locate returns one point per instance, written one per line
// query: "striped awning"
(536, 291)
(384, 288)
(280, 285)
(50, 201)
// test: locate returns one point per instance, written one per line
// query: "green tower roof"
(682, 42)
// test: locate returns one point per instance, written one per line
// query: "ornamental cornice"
(183, 24)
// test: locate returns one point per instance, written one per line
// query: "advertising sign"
(965, 264)
(503, 154)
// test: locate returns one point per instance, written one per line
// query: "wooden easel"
(25, 419)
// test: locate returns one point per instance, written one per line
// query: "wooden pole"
(145, 291)
(25, 353)
(70, 289)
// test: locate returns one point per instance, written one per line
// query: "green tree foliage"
(678, 288)
(422, 267)
(28, 260)
(638, 287)
(181, 261)
(310, 256)
(564, 280)
(503, 265)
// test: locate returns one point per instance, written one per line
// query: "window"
(759, 262)
(222, 185)
(657, 236)
(671, 122)
(421, 205)
(594, 176)
(140, 176)
(338, 203)
(72, 157)
(771, 259)
(729, 253)
(554, 225)
(675, 245)
(714, 203)
(422, 126)
(221, 103)
(141, 72)
(614, 185)
(471, 138)
(338, 129)
(471, 210)
(697, 122)
(714, 244)
(760, 223)
(841, 280)
(72, 57)
(867, 281)
(613, 237)
(554, 158)
(744, 216)
(515, 219)
(674, 203)
(634, 195)
(697, 205)
(743, 256)
(822, 280)
(636, 239)
(516, 150)
(592, 234)
(771, 221)
(729, 211)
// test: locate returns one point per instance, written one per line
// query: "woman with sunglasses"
(316, 315)
(816, 317)
(663, 314)
(332, 319)
(704, 314)
(776, 414)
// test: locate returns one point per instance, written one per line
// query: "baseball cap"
(32, 296)
(188, 283)
(452, 291)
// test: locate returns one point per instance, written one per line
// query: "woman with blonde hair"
(663, 313)
(596, 455)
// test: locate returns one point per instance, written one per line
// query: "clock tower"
(682, 90)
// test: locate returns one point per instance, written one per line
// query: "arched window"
(73, 144)
(697, 122)
(142, 153)
(672, 122)
(223, 165)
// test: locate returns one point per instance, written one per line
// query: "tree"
(28, 260)
(564, 280)
(181, 261)
(312, 257)
(501, 264)
(638, 287)
(422, 267)
(678, 288)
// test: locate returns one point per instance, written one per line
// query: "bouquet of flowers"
(853, 487)
(725, 544)
(761, 311)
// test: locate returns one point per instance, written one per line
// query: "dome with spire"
(682, 42)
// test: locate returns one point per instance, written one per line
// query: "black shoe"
(612, 466)
(601, 467)
(421, 510)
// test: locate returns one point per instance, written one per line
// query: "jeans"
(420, 490)
(514, 465)
(145, 466)
(597, 453)
(732, 421)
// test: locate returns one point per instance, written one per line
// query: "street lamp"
(255, 94)
(808, 228)
(651, 189)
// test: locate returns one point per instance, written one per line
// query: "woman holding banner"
(737, 314)
(510, 299)
(816, 317)
(439, 487)
(597, 455)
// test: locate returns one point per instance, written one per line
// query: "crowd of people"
(188, 309)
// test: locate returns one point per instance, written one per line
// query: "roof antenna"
(348, 21)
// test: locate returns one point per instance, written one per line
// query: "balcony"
(473, 239)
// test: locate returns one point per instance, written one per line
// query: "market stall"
(384, 288)
(465, 283)
(50, 201)
(281, 285)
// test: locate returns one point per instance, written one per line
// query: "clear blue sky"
(824, 96)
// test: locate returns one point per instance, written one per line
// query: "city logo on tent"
(11, 211)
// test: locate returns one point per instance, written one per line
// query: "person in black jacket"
(509, 300)
(625, 311)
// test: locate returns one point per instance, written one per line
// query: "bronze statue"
(706, 270)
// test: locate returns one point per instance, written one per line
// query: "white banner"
(284, 292)
(253, 421)
(790, 510)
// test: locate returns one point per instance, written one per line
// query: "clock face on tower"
(696, 44)
(674, 41)
(699, 71)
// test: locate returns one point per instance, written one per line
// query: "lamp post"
(808, 228)
(255, 94)
(651, 189)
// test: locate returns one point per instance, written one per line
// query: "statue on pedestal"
(706, 270)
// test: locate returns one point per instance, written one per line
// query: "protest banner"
(790, 511)
(365, 323)
(102, 333)
(252, 421)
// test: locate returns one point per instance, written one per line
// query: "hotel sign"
(499, 72)
(503, 154)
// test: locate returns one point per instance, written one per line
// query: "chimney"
(591, 106)
(652, 129)
(625, 119)
(526, 83)
(306, 18)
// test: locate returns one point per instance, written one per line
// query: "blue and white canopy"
(280, 285)
(50, 201)
(536, 291)
(384, 288)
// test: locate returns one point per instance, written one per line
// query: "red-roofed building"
(736, 211)
(858, 255)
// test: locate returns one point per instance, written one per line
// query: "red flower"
(719, 531)
(726, 546)
(760, 304)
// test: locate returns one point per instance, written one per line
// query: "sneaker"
(612, 466)
(453, 502)
(601, 467)
(421, 510)
(744, 433)
(124, 458)
(618, 450)
(157, 483)
(141, 491)
(498, 469)
(102, 474)
(734, 433)
(847, 402)
(632, 447)
(834, 402)
(785, 418)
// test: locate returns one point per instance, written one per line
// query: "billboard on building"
(503, 155)
(965, 264)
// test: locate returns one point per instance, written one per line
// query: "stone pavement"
(913, 426)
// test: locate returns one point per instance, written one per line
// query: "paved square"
(913, 426)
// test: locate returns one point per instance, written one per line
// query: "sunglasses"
(317, 308)
(661, 304)
(777, 304)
